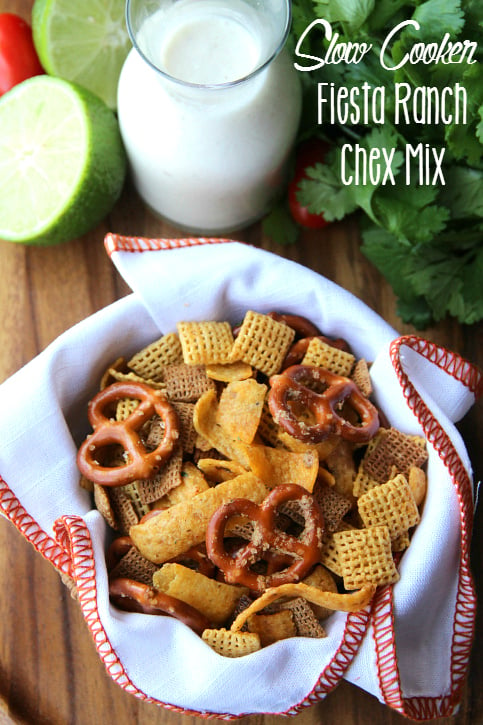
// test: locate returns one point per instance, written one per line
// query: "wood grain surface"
(50, 673)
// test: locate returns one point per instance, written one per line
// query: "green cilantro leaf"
(393, 258)
(301, 11)
(352, 13)
(279, 226)
(392, 11)
(415, 311)
(426, 241)
(324, 193)
(479, 127)
(429, 281)
(462, 141)
(409, 212)
(463, 193)
(471, 310)
(437, 17)
(449, 285)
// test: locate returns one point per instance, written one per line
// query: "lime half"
(62, 162)
(84, 41)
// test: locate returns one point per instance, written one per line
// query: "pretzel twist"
(141, 463)
(292, 394)
(304, 550)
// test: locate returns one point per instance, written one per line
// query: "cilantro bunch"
(427, 241)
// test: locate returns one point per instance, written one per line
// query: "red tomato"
(308, 154)
(18, 57)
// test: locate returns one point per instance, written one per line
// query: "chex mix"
(251, 484)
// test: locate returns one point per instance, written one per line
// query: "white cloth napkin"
(157, 658)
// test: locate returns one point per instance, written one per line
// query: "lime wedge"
(62, 162)
(84, 41)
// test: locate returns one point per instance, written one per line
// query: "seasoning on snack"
(295, 391)
(304, 549)
(253, 485)
(110, 432)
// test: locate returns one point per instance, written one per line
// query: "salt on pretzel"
(141, 463)
(295, 386)
(304, 550)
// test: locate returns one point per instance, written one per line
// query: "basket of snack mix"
(256, 480)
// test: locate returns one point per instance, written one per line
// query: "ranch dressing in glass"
(209, 106)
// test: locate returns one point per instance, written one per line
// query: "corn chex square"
(392, 504)
(330, 358)
(205, 343)
(330, 556)
(365, 557)
(262, 342)
(363, 482)
(125, 407)
(150, 362)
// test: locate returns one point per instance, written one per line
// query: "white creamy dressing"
(210, 49)
(207, 159)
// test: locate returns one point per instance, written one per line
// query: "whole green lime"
(83, 41)
(62, 161)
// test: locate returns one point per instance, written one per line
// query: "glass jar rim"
(214, 86)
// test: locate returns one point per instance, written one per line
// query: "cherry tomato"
(308, 154)
(18, 57)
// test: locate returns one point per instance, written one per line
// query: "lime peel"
(62, 162)
(85, 42)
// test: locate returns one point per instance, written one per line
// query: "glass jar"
(209, 106)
